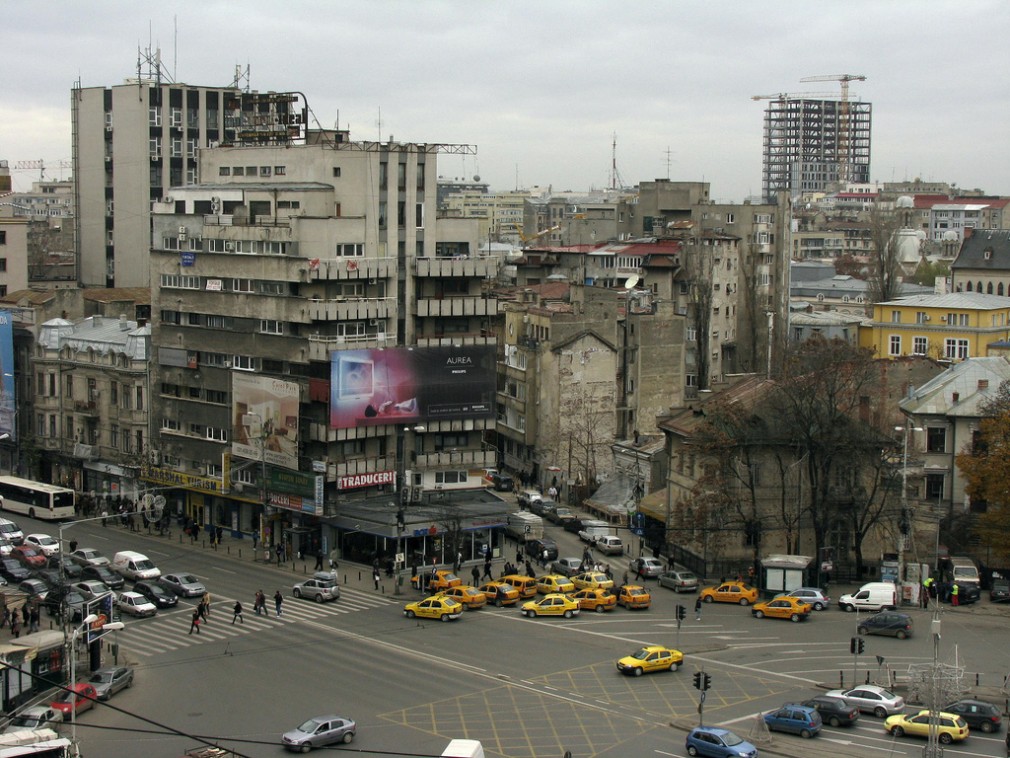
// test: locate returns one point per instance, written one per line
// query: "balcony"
(320, 346)
(448, 459)
(483, 268)
(335, 470)
(463, 338)
(457, 306)
(86, 407)
(352, 309)
(352, 269)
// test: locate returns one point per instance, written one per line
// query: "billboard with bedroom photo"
(410, 385)
(266, 419)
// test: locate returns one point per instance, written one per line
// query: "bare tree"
(885, 273)
(698, 270)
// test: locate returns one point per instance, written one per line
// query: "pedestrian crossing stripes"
(168, 631)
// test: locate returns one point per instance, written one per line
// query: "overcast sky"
(541, 87)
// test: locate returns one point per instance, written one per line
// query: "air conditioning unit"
(229, 246)
(108, 159)
(227, 364)
(374, 322)
(182, 229)
(943, 319)
(372, 281)
(925, 317)
(155, 158)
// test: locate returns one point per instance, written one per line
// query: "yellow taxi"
(442, 579)
(650, 658)
(526, 585)
(950, 727)
(434, 607)
(549, 583)
(730, 592)
(592, 580)
(470, 597)
(500, 593)
(783, 608)
(634, 596)
(594, 599)
(551, 605)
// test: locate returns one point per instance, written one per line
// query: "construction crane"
(40, 166)
(844, 120)
(784, 96)
(534, 237)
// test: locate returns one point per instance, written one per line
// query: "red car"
(81, 699)
(28, 557)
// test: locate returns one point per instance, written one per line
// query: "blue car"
(795, 719)
(718, 743)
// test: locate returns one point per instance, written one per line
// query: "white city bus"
(36, 500)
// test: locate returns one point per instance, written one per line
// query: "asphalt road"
(525, 688)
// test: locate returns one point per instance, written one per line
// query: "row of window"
(214, 321)
(256, 286)
(240, 247)
(953, 349)
(211, 433)
(124, 440)
(261, 171)
(122, 396)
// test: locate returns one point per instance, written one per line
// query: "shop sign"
(371, 479)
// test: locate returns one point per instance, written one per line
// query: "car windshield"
(29, 721)
(731, 739)
(187, 579)
(641, 654)
(309, 726)
(101, 676)
(66, 697)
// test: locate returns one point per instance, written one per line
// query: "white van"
(873, 596)
(524, 526)
(11, 531)
(134, 566)
(964, 571)
(592, 530)
(609, 544)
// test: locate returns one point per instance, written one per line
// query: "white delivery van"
(134, 566)
(610, 544)
(524, 526)
(11, 531)
(873, 596)
(592, 530)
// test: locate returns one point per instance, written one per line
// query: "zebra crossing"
(168, 631)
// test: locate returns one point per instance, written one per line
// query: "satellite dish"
(631, 281)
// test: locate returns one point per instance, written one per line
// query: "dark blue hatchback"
(795, 719)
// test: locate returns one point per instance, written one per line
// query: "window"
(350, 249)
(3, 264)
(70, 386)
(895, 317)
(217, 397)
(419, 216)
(244, 362)
(170, 424)
(140, 397)
(936, 439)
(921, 317)
(3, 236)
(919, 345)
(955, 349)
(224, 171)
(265, 171)
(242, 285)
(218, 435)
(336, 171)
(114, 437)
(934, 486)
(894, 345)
(140, 441)
(270, 326)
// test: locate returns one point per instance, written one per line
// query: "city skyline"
(543, 90)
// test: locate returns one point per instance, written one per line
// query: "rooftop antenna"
(378, 123)
(615, 175)
(517, 177)
(668, 161)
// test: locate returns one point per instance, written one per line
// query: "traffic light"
(706, 681)
(857, 645)
(697, 680)
(401, 522)
(681, 613)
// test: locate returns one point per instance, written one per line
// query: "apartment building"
(134, 141)
(326, 342)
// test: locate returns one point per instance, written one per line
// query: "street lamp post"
(114, 626)
(904, 523)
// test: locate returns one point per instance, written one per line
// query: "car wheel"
(637, 671)
(986, 727)
(759, 614)
(795, 617)
(744, 601)
(568, 614)
(880, 713)
(708, 599)
(297, 593)
(898, 731)
(901, 634)
(692, 750)
(306, 747)
(674, 666)
(498, 603)
(805, 734)
(848, 608)
(410, 614)
(444, 617)
(834, 721)
(818, 606)
(348, 736)
(945, 739)
(600, 609)
(319, 598)
(862, 630)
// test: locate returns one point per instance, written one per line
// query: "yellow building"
(951, 327)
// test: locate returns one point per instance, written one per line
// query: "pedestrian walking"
(278, 602)
(954, 590)
(73, 545)
(624, 580)
(206, 605)
(280, 554)
(924, 593)
(334, 556)
(697, 608)
(519, 556)
(260, 603)
(544, 558)
(475, 573)
(15, 625)
(529, 569)
(375, 577)
(194, 622)
(638, 568)
(33, 618)
(319, 560)
(236, 613)
(256, 540)
(487, 570)
(26, 614)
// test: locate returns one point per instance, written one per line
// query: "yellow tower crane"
(844, 120)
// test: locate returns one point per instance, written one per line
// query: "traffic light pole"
(702, 682)
(681, 614)
(856, 646)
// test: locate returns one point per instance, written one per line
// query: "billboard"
(265, 413)
(7, 400)
(408, 385)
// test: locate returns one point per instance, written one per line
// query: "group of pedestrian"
(200, 614)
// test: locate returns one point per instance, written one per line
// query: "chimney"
(983, 384)
(967, 232)
(124, 325)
